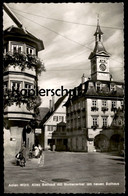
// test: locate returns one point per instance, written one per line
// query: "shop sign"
(39, 131)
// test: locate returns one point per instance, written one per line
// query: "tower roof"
(99, 48)
(19, 34)
(98, 30)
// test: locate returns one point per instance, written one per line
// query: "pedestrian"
(23, 150)
(23, 154)
(41, 156)
(36, 151)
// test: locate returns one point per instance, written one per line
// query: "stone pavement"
(67, 172)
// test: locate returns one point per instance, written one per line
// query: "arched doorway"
(101, 143)
(115, 142)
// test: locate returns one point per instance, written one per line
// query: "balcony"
(23, 61)
(104, 109)
(94, 108)
(30, 102)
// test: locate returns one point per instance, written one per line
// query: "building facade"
(21, 69)
(60, 137)
(93, 103)
(56, 114)
(112, 138)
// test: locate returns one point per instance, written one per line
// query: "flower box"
(94, 108)
(104, 109)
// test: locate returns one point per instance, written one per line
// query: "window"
(55, 118)
(5, 86)
(104, 103)
(114, 103)
(54, 128)
(95, 119)
(94, 103)
(28, 86)
(113, 87)
(122, 103)
(105, 121)
(16, 85)
(61, 118)
(98, 86)
(17, 48)
(30, 50)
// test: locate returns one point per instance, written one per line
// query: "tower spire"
(99, 47)
(98, 34)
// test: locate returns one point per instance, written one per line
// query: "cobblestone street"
(67, 172)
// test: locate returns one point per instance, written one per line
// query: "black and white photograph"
(63, 97)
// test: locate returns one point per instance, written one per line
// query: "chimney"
(83, 80)
(53, 103)
(50, 105)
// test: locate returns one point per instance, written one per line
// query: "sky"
(67, 31)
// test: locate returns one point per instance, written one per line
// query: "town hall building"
(93, 104)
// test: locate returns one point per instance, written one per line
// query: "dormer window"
(113, 87)
(90, 85)
(98, 86)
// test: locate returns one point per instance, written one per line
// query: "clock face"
(102, 67)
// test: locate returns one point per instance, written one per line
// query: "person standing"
(41, 156)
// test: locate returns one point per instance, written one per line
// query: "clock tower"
(99, 58)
